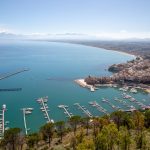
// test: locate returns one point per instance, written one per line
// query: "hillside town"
(133, 73)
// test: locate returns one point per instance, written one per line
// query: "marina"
(65, 107)
(99, 107)
(84, 110)
(34, 83)
(7, 75)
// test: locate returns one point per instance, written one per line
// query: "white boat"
(123, 89)
(30, 109)
(132, 99)
(133, 90)
(45, 100)
(52, 121)
(39, 100)
(28, 112)
(114, 86)
(132, 107)
(7, 128)
(92, 89)
(91, 103)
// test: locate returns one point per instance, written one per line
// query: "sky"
(100, 18)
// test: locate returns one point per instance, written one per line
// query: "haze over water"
(53, 68)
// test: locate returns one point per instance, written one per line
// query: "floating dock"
(44, 108)
(84, 110)
(66, 110)
(2, 121)
(124, 103)
(24, 119)
(25, 112)
(99, 107)
(7, 75)
(110, 104)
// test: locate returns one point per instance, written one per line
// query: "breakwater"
(10, 89)
(7, 75)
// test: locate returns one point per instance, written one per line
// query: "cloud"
(3, 30)
(122, 35)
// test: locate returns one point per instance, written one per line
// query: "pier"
(10, 89)
(44, 108)
(26, 111)
(84, 110)
(7, 75)
(99, 107)
(83, 84)
(122, 102)
(65, 110)
(2, 121)
(24, 119)
(110, 104)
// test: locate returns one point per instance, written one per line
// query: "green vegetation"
(119, 131)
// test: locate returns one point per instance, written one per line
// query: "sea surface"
(53, 67)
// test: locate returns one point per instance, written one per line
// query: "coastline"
(92, 88)
(98, 47)
(84, 84)
(118, 51)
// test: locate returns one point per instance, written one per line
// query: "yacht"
(30, 109)
(92, 89)
(133, 90)
(28, 112)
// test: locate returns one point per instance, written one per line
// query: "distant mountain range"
(64, 36)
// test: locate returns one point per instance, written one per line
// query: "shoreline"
(82, 83)
(119, 51)
(92, 88)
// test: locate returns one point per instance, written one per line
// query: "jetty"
(83, 84)
(99, 107)
(65, 110)
(10, 89)
(2, 121)
(44, 108)
(110, 104)
(84, 110)
(140, 104)
(24, 119)
(26, 111)
(7, 75)
(122, 102)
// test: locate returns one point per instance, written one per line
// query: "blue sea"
(53, 67)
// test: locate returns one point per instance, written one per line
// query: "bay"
(53, 67)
